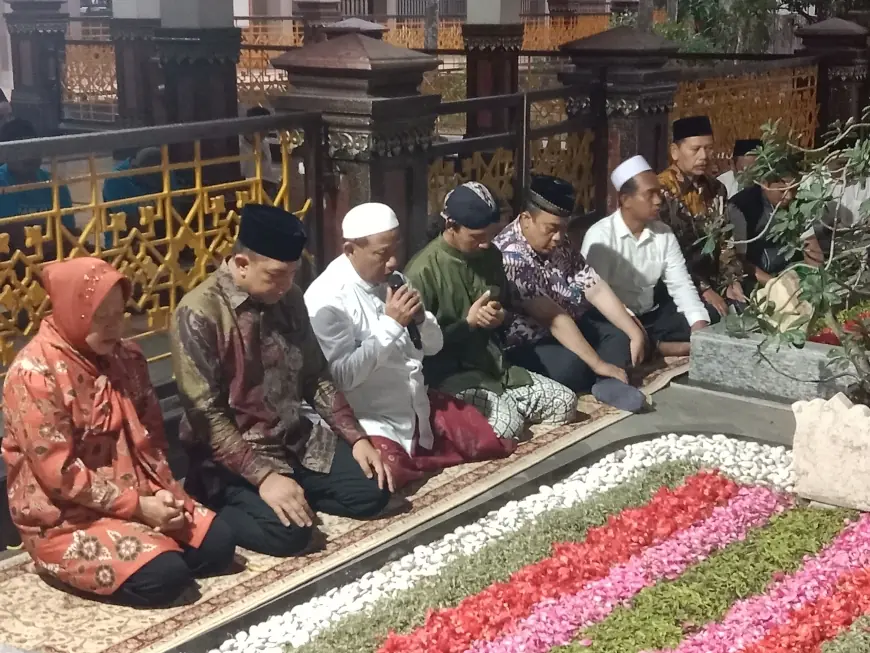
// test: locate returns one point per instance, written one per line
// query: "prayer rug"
(38, 618)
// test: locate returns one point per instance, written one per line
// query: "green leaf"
(495, 562)
(706, 591)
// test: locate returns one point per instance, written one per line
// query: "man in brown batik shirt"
(246, 360)
(694, 202)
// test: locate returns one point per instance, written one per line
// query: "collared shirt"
(731, 183)
(243, 370)
(563, 276)
(633, 266)
(687, 210)
(371, 356)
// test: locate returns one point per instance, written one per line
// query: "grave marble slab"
(723, 362)
(832, 452)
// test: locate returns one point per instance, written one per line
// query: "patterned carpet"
(36, 617)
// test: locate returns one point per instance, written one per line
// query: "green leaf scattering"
(495, 562)
(659, 615)
(854, 640)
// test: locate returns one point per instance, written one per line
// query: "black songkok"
(552, 195)
(471, 205)
(272, 232)
(744, 146)
(694, 126)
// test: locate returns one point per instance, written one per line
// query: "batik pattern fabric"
(691, 209)
(562, 276)
(83, 441)
(542, 402)
(243, 370)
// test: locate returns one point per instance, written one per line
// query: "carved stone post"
(493, 38)
(315, 14)
(37, 30)
(842, 46)
(133, 28)
(378, 127)
(631, 95)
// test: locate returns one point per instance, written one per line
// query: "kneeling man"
(245, 360)
(633, 250)
(375, 331)
(461, 278)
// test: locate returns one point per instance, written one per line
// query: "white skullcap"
(627, 170)
(367, 220)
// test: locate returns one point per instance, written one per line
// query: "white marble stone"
(832, 452)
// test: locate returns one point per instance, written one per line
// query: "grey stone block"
(723, 362)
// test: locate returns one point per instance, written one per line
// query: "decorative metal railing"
(164, 226)
(561, 146)
(740, 98)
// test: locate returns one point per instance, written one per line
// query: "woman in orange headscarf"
(89, 485)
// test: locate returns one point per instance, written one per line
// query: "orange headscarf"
(76, 288)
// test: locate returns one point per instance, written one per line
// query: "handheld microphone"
(395, 282)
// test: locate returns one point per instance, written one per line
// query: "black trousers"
(666, 324)
(549, 358)
(343, 491)
(162, 581)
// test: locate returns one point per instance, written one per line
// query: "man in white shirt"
(742, 158)
(633, 250)
(375, 332)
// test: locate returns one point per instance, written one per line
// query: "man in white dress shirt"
(633, 250)
(375, 332)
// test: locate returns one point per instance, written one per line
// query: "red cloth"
(462, 435)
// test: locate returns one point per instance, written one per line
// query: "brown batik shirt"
(689, 209)
(244, 370)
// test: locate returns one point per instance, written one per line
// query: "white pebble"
(749, 462)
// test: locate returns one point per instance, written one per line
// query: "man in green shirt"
(462, 281)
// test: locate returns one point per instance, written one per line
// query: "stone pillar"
(378, 126)
(493, 36)
(133, 28)
(315, 14)
(629, 98)
(37, 31)
(842, 47)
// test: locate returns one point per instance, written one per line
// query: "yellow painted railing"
(165, 226)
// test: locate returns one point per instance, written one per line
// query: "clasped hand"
(486, 313)
(163, 512)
